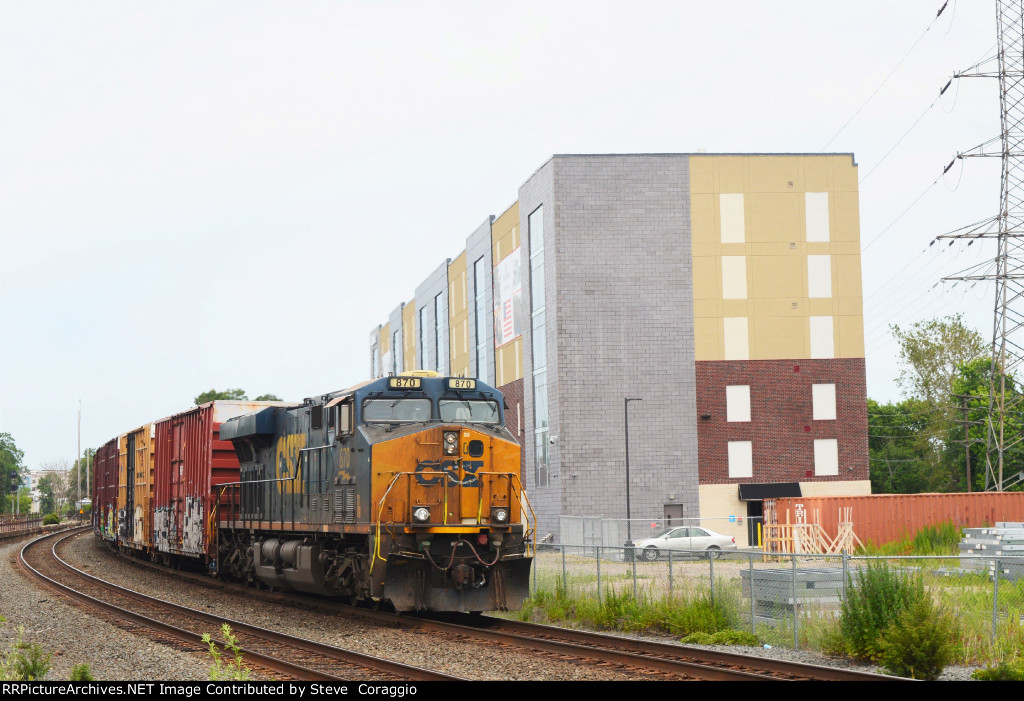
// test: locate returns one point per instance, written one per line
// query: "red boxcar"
(104, 491)
(191, 463)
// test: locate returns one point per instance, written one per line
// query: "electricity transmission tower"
(1007, 228)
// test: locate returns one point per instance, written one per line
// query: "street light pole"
(629, 529)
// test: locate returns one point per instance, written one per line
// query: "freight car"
(403, 489)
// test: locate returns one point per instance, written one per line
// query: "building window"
(539, 349)
(819, 276)
(816, 210)
(737, 347)
(822, 339)
(734, 277)
(826, 457)
(479, 287)
(823, 397)
(741, 459)
(737, 403)
(730, 210)
(396, 348)
(441, 334)
(423, 365)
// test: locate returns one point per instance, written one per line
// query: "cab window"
(470, 411)
(396, 410)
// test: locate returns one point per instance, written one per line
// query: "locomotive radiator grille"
(345, 505)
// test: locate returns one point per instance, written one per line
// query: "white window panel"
(734, 277)
(737, 346)
(824, 400)
(730, 206)
(816, 207)
(826, 456)
(741, 459)
(737, 403)
(822, 340)
(819, 276)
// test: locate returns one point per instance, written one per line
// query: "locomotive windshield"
(469, 410)
(396, 410)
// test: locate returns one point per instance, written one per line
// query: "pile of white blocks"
(981, 547)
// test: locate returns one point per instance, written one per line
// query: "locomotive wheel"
(650, 554)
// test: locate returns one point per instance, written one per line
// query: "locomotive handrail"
(520, 493)
(240, 483)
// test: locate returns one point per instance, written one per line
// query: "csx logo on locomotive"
(426, 472)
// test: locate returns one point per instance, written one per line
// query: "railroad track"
(661, 660)
(281, 655)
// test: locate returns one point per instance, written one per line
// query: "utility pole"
(1007, 228)
(78, 460)
(967, 441)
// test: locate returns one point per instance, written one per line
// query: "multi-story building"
(723, 292)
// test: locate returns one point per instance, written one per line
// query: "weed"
(722, 637)
(1003, 672)
(919, 643)
(874, 604)
(81, 673)
(232, 670)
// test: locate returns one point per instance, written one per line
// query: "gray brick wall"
(479, 245)
(620, 323)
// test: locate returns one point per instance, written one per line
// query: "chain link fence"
(611, 532)
(794, 600)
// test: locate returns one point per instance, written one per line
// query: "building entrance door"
(755, 515)
(673, 515)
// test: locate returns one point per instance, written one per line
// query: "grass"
(939, 539)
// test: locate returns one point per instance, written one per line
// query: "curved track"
(661, 660)
(283, 655)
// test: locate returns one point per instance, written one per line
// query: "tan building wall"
(720, 501)
(383, 347)
(505, 239)
(458, 318)
(776, 246)
(409, 336)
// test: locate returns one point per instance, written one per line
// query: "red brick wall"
(515, 416)
(781, 429)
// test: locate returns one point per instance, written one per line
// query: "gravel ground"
(395, 643)
(74, 637)
(113, 654)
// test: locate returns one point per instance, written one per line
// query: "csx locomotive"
(405, 489)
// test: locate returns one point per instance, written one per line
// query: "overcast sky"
(198, 195)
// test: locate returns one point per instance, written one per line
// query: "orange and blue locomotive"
(404, 489)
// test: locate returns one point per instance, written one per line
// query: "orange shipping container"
(881, 518)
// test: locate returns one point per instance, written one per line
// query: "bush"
(920, 643)
(51, 519)
(1004, 672)
(872, 605)
(81, 673)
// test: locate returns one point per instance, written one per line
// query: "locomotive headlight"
(451, 442)
(499, 514)
(421, 514)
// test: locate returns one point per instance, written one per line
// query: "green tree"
(10, 461)
(269, 398)
(932, 353)
(212, 394)
(971, 388)
(900, 454)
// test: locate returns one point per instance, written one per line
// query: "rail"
(529, 528)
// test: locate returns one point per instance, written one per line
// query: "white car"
(691, 540)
